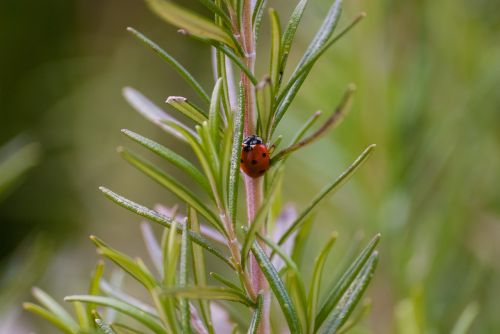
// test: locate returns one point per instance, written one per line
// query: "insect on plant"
(233, 129)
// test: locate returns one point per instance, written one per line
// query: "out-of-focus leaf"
(147, 319)
(199, 269)
(173, 62)
(327, 190)
(152, 246)
(225, 281)
(257, 315)
(210, 293)
(345, 281)
(154, 113)
(55, 308)
(13, 165)
(94, 286)
(162, 220)
(315, 288)
(50, 317)
(350, 297)
(264, 97)
(171, 184)
(111, 290)
(464, 322)
(236, 60)
(183, 277)
(274, 61)
(190, 22)
(126, 263)
(278, 288)
(170, 260)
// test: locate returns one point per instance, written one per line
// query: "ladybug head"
(250, 141)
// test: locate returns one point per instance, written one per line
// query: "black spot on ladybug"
(241, 160)
(254, 162)
(264, 155)
(262, 171)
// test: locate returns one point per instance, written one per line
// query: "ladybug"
(254, 157)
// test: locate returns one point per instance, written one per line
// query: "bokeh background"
(428, 77)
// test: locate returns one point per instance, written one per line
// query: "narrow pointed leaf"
(257, 316)
(264, 97)
(199, 269)
(214, 114)
(345, 281)
(350, 298)
(173, 62)
(315, 288)
(187, 108)
(274, 62)
(225, 281)
(55, 308)
(152, 246)
(162, 220)
(322, 36)
(143, 317)
(94, 286)
(217, 11)
(278, 288)
(153, 113)
(236, 60)
(170, 183)
(333, 186)
(126, 263)
(183, 277)
(234, 170)
(50, 317)
(170, 260)
(289, 34)
(210, 293)
(192, 23)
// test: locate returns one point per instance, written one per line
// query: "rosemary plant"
(260, 251)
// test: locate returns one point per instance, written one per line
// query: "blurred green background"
(428, 77)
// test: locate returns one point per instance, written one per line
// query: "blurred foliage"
(428, 77)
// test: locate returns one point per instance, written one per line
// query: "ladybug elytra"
(254, 157)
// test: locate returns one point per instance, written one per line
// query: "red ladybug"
(254, 157)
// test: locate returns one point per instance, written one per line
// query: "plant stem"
(253, 187)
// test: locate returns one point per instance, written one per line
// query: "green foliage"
(180, 298)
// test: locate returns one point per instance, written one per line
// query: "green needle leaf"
(171, 184)
(225, 281)
(315, 287)
(278, 288)
(174, 63)
(322, 36)
(289, 34)
(210, 293)
(50, 317)
(345, 281)
(234, 170)
(145, 318)
(126, 263)
(188, 109)
(190, 22)
(327, 190)
(274, 65)
(183, 277)
(350, 298)
(101, 324)
(172, 157)
(162, 220)
(55, 308)
(257, 315)
(94, 286)
(154, 114)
